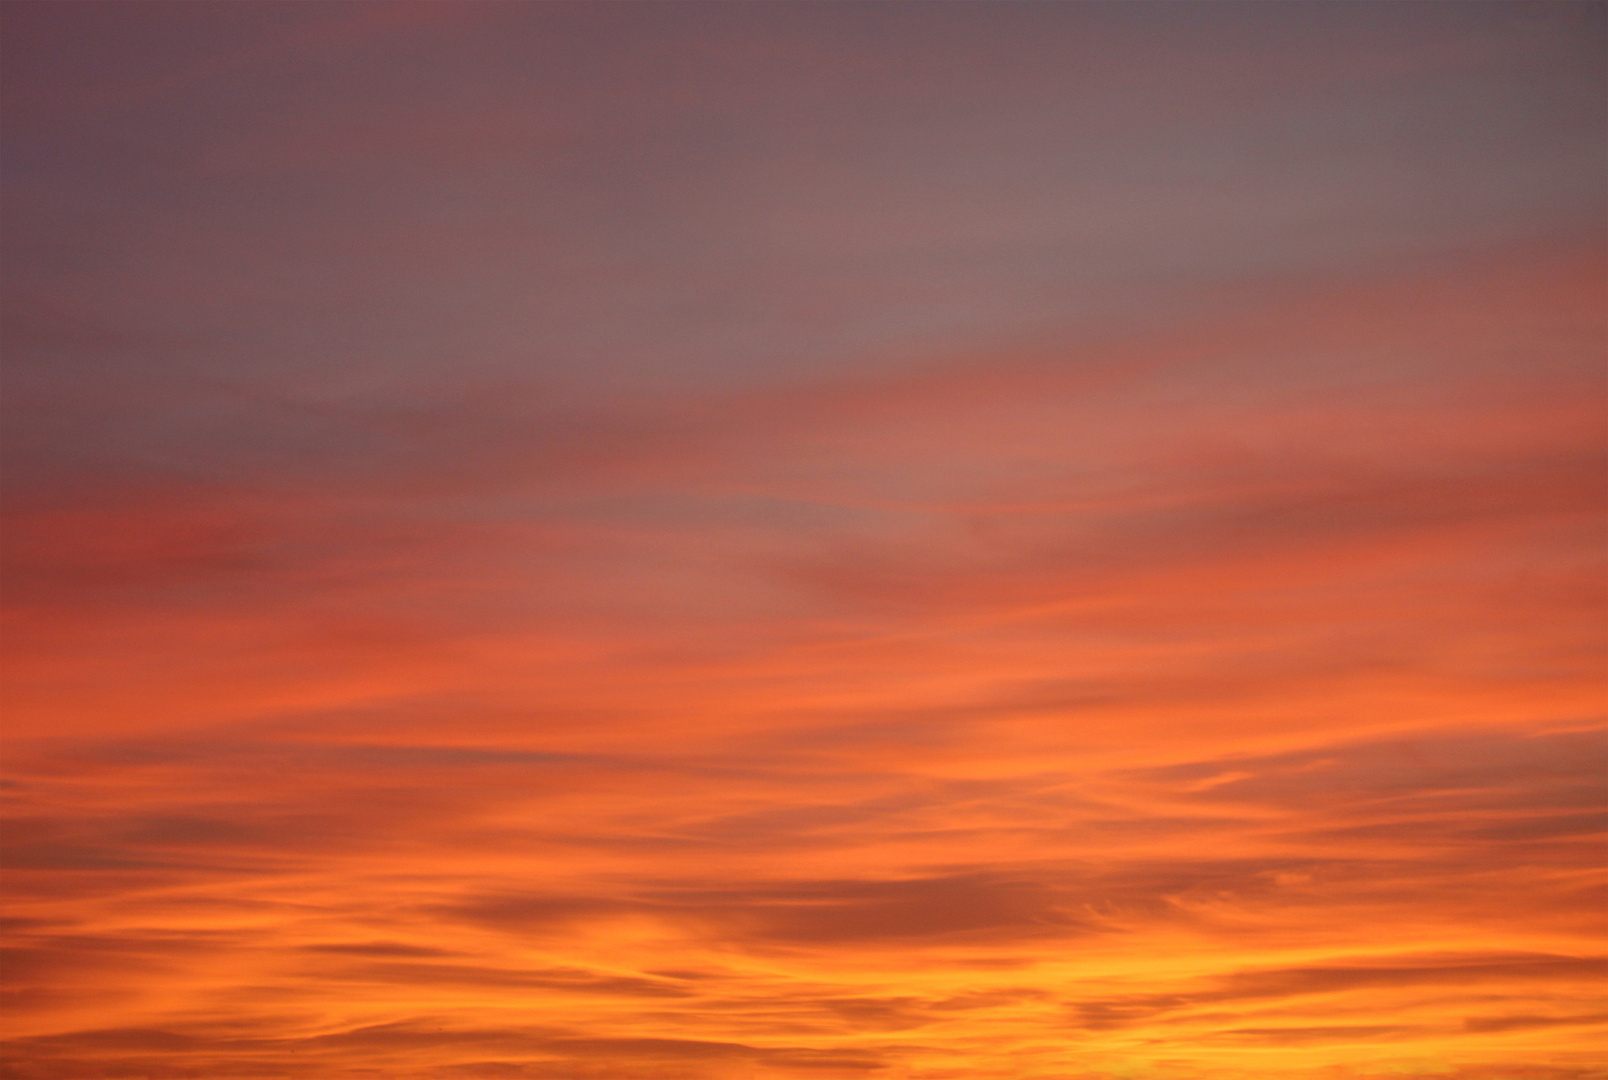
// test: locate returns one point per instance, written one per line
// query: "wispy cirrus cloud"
(811, 541)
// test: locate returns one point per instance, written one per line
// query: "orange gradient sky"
(805, 541)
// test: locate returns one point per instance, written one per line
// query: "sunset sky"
(805, 541)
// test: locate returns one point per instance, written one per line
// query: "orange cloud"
(805, 543)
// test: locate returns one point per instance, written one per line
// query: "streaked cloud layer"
(805, 541)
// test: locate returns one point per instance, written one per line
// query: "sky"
(805, 540)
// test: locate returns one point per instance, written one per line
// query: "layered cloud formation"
(805, 541)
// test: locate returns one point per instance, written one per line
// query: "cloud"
(387, 949)
(124, 1052)
(1529, 1023)
(797, 541)
(1380, 973)
(446, 975)
(971, 907)
(1451, 771)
